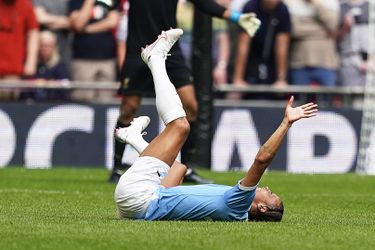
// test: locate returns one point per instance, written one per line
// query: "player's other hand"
(249, 22)
(304, 111)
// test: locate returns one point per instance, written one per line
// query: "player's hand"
(29, 69)
(304, 111)
(249, 22)
(220, 75)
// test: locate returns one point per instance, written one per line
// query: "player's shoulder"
(251, 6)
(282, 8)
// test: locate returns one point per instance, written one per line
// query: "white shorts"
(136, 187)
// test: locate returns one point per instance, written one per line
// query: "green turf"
(73, 209)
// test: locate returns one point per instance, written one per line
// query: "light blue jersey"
(199, 202)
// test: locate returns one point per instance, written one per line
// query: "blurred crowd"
(300, 42)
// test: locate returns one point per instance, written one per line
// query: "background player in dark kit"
(146, 19)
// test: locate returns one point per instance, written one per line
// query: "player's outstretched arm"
(268, 151)
(248, 21)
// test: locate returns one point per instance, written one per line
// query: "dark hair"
(274, 214)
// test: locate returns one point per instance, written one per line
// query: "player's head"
(270, 5)
(48, 52)
(266, 206)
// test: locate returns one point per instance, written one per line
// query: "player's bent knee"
(182, 125)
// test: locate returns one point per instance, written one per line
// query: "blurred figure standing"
(264, 58)
(221, 46)
(18, 42)
(122, 32)
(49, 68)
(234, 31)
(353, 42)
(18, 39)
(313, 56)
(94, 46)
(53, 15)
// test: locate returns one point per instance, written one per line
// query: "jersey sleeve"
(210, 7)
(239, 198)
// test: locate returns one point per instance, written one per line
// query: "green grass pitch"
(73, 209)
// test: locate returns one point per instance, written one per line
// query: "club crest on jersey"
(125, 83)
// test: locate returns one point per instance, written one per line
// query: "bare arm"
(220, 71)
(32, 52)
(175, 175)
(108, 23)
(243, 48)
(80, 18)
(121, 53)
(282, 46)
(268, 151)
(210, 7)
(51, 21)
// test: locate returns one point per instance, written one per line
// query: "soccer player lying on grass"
(150, 189)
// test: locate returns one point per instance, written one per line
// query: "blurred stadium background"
(70, 206)
(59, 132)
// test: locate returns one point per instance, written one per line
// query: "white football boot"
(162, 45)
(125, 135)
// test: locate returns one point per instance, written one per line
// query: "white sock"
(137, 142)
(168, 102)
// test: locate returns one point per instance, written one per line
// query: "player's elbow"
(263, 159)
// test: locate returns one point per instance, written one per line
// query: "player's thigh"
(167, 145)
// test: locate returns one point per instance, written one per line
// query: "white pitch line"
(43, 191)
(40, 191)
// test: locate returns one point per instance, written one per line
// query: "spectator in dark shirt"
(50, 66)
(264, 58)
(94, 46)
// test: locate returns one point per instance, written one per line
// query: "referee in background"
(147, 18)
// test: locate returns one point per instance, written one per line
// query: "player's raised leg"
(167, 145)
